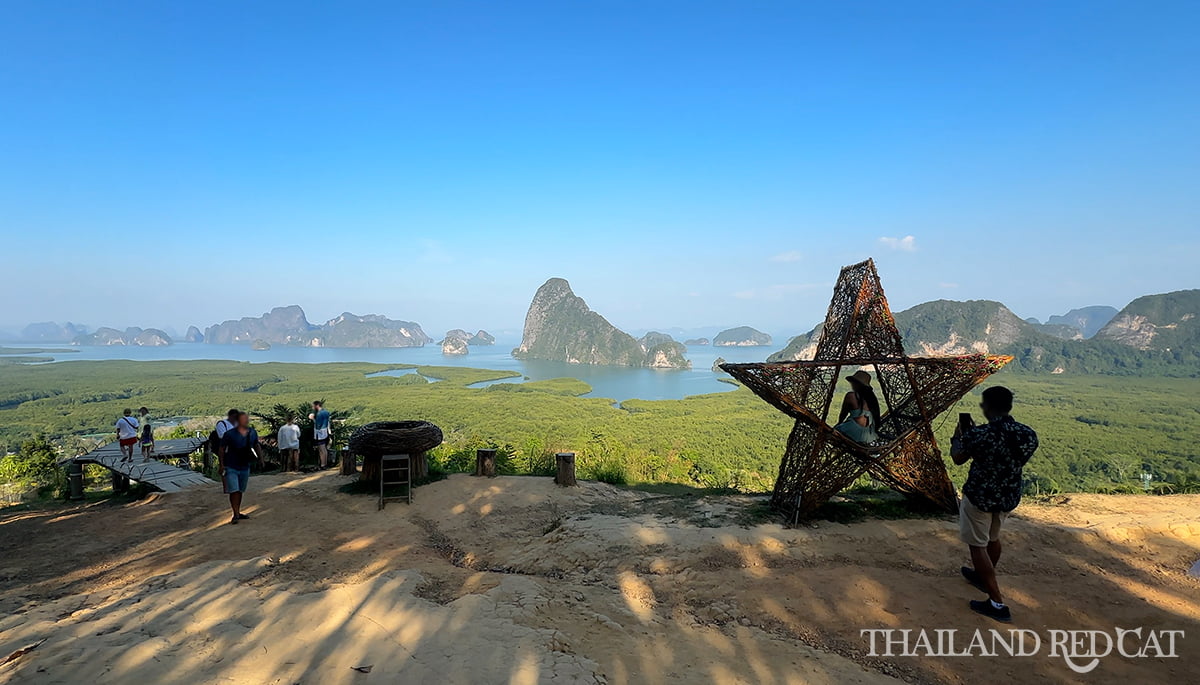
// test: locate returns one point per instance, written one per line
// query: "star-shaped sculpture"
(859, 332)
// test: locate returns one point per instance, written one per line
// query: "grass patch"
(36, 350)
(728, 439)
(568, 387)
(460, 376)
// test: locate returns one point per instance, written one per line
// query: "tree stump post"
(75, 480)
(565, 476)
(349, 467)
(485, 463)
(420, 467)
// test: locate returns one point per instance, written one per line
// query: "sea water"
(614, 382)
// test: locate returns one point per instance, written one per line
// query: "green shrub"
(35, 465)
(609, 471)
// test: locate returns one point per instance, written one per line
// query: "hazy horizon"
(780, 333)
(681, 165)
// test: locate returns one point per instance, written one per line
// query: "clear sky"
(680, 163)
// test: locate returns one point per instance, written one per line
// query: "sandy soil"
(513, 580)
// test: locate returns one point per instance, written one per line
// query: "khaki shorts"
(978, 528)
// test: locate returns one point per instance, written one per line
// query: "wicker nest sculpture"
(859, 332)
(377, 439)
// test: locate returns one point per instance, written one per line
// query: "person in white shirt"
(127, 435)
(230, 421)
(289, 444)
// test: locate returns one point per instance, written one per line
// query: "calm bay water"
(614, 382)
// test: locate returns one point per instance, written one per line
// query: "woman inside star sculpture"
(859, 417)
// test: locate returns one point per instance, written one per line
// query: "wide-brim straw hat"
(861, 377)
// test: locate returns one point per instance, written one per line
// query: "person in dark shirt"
(238, 450)
(997, 452)
(320, 418)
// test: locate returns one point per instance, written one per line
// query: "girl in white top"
(289, 444)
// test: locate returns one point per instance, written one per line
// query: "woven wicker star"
(859, 332)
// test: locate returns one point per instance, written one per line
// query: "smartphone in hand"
(965, 422)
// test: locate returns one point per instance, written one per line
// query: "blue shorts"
(236, 480)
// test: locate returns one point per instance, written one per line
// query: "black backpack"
(214, 440)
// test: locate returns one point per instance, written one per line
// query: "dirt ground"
(514, 580)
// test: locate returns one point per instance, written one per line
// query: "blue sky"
(681, 163)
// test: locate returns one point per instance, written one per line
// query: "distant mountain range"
(559, 326)
(1151, 332)
(140, 337)
(1077, 324)
(289, 326)
(50, 332)
(1087, 320)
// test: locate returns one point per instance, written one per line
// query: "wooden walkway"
(155, 473)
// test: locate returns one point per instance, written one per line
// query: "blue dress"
(857, 432)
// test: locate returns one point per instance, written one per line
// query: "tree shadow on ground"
(513, 580)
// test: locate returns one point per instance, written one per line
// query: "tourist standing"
(127, 435)
(320, 419)
(238, 447)
(289, 444)
(223, 426)
(147, 432)
(997, 452)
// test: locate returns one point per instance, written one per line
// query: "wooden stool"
(400, 468)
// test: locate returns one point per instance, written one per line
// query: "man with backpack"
(997, 452)
(223, 426)
(214, 438)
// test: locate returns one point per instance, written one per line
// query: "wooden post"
(349, 468)
(75, 480)
(485, 463)
(207, 458)
(566, 469)
(120, 483)
(420, 467)
(370, 470)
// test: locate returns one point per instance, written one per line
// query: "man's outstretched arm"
(957, 452)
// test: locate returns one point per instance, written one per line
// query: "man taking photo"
(997, 452)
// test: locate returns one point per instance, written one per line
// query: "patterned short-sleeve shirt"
(999, 451)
